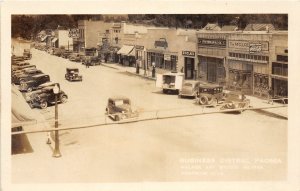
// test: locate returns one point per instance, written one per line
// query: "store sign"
(162, 42)
(247, 45)
(188, 53)
(167, 57)
(255, 47)
(138, 47)
(73, 33)
(212, 42)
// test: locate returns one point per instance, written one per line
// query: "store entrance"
(189, 65)
(212, 72)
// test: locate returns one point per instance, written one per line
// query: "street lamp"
(56, 152)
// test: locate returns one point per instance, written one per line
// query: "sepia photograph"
(153, 97)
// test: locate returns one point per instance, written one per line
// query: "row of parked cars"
(204, 93)
(88, 57)
(35, 83)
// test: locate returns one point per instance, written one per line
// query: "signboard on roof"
(73, 33)
(203, 42)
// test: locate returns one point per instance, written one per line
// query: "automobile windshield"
(119, 102)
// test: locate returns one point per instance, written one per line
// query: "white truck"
(170, 81)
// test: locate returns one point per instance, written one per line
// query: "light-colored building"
(91, 33)
(62, 39)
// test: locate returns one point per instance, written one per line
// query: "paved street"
(142, 151)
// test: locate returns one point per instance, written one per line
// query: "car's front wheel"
(117, 118)
(63, 99)
(43, 105)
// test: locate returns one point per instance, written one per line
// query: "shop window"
(255, 57)
(282, 58)
(259, 57)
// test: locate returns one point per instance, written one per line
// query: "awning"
(126, 50)
(43, 38)
(54, 40)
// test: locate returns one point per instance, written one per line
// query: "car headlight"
(123, 111)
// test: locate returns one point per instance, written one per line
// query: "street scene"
(121, 101)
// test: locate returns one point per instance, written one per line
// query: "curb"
(109, 66)
(141, 76)
(272, 114)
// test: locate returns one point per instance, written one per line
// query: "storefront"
(162, 57)
(127, 55)
(189, 64)
(211, 56)
(140, 55)
(279, 74)
(248, 67)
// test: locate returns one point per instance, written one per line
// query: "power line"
(143, 119)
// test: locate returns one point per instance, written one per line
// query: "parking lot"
(140, 151)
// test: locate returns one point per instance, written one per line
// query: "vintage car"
(26, 76)
(66, 54)
(75, 57)
(32, 84)
(27, 54)
(189, 88)
(120, 108)
(16, 68)
(72, 74)
(209, 95)
(170, 81)
(15, 58)
(91, 60)
(45, 96)
(235, 100)
(58, 51)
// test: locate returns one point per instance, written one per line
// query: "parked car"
(16, 68)
(75, 57)
(32, 84)
(210, 95)
(120, 108)
(66, 54)
(15, 58)
(170, 81)
(45, 96)
(235, 100)
(72, 74)
(26, 76)
(189, 88)
(58, 51)
(16, 64)
(91, 60)
(27, 54)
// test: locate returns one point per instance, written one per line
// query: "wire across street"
(157, 117)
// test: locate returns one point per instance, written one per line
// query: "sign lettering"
(167, 57)
(212, 42)
(245, 45)
(73, 33)
(255, 47)
(188, 53)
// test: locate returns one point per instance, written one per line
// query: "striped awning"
(54, 40)
(126, 50)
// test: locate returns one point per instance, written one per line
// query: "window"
(282, 58)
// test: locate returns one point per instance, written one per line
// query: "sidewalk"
(131, 70)
(281, 112)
